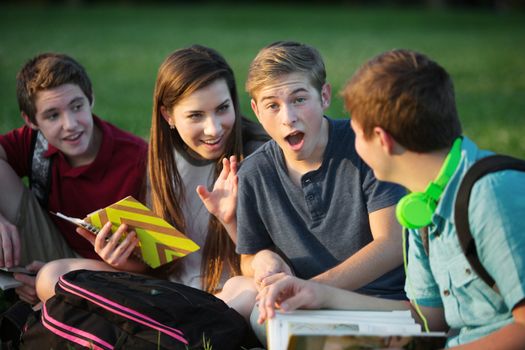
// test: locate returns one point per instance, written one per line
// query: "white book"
(345, 330)
(7, 281)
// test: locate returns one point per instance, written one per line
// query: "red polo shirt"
(119, 170)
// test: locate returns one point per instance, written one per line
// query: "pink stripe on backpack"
(89, 344)
(126, 312)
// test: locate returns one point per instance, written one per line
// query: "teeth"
(72, 138)
(211, 142)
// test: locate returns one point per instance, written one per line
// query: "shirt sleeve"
(379, 194)
(17, 146)
(251, 233)
(495, 217)
(420, 284)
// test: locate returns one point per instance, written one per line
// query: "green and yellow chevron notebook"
(160, 242)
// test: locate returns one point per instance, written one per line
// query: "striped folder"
(160, 242)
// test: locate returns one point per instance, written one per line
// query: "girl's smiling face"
(204, 120)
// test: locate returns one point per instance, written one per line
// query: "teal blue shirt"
(444, 278)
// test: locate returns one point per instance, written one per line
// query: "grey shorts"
(39, 237)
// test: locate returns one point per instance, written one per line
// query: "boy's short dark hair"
(408, 95)
(47, 71)
(285, 57)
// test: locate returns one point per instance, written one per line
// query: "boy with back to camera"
(407, 129)
(307, 204)
(76, 164)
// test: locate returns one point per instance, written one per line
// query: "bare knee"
(49, 274)
(239, 293)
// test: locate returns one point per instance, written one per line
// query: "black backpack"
(482, 167)
(117, 310)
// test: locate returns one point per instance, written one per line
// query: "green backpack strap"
(481, 168)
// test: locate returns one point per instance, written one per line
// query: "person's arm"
(11, 188)
(222, 200)
(373, 260)
(510, 337)
(289, 293)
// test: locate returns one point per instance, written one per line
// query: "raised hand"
(222, 200)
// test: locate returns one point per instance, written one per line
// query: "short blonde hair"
(282, 58)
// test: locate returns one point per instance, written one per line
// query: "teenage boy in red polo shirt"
(78, 164)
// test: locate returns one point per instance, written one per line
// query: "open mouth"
(295, 139)
(212, 142)
(74, 137)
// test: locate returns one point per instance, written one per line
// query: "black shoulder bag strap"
(482, 167)
(40, 167)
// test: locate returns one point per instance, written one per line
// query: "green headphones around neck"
(415, 209)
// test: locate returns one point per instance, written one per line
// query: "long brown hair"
(182, 73)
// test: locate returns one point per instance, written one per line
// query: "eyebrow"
(301, 89)
(219, 105)
(77, 99)
(74, 100)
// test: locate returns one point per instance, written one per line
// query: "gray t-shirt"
(324, 221)
(193, 172)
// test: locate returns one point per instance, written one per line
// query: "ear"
(165, 115)
(386, 140)
(326, 95)
(255, 110)
(28, 122)
(92, 101)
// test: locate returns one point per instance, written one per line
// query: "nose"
(213, 126)
(70, 121)
(288, 115)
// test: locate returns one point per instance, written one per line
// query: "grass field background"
(122, 47)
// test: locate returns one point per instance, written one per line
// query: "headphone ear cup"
(415, 210)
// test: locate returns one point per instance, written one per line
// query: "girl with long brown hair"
(196, 123)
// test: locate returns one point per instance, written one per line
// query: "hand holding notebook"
(159, 242)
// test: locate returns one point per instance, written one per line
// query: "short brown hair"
(408, 95)
(47, 71)
(285, 57)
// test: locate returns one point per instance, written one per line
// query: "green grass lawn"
(122, 47)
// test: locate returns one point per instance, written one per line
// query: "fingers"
(225, 169)
(118, 248)
(86, 234)
(286, 293)
(35, 266)
(233, 164)
(10, 245)
(203, 193)
(272, 279)
(102, 237)
(229, 168)
(7, 258)
(27, 291)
